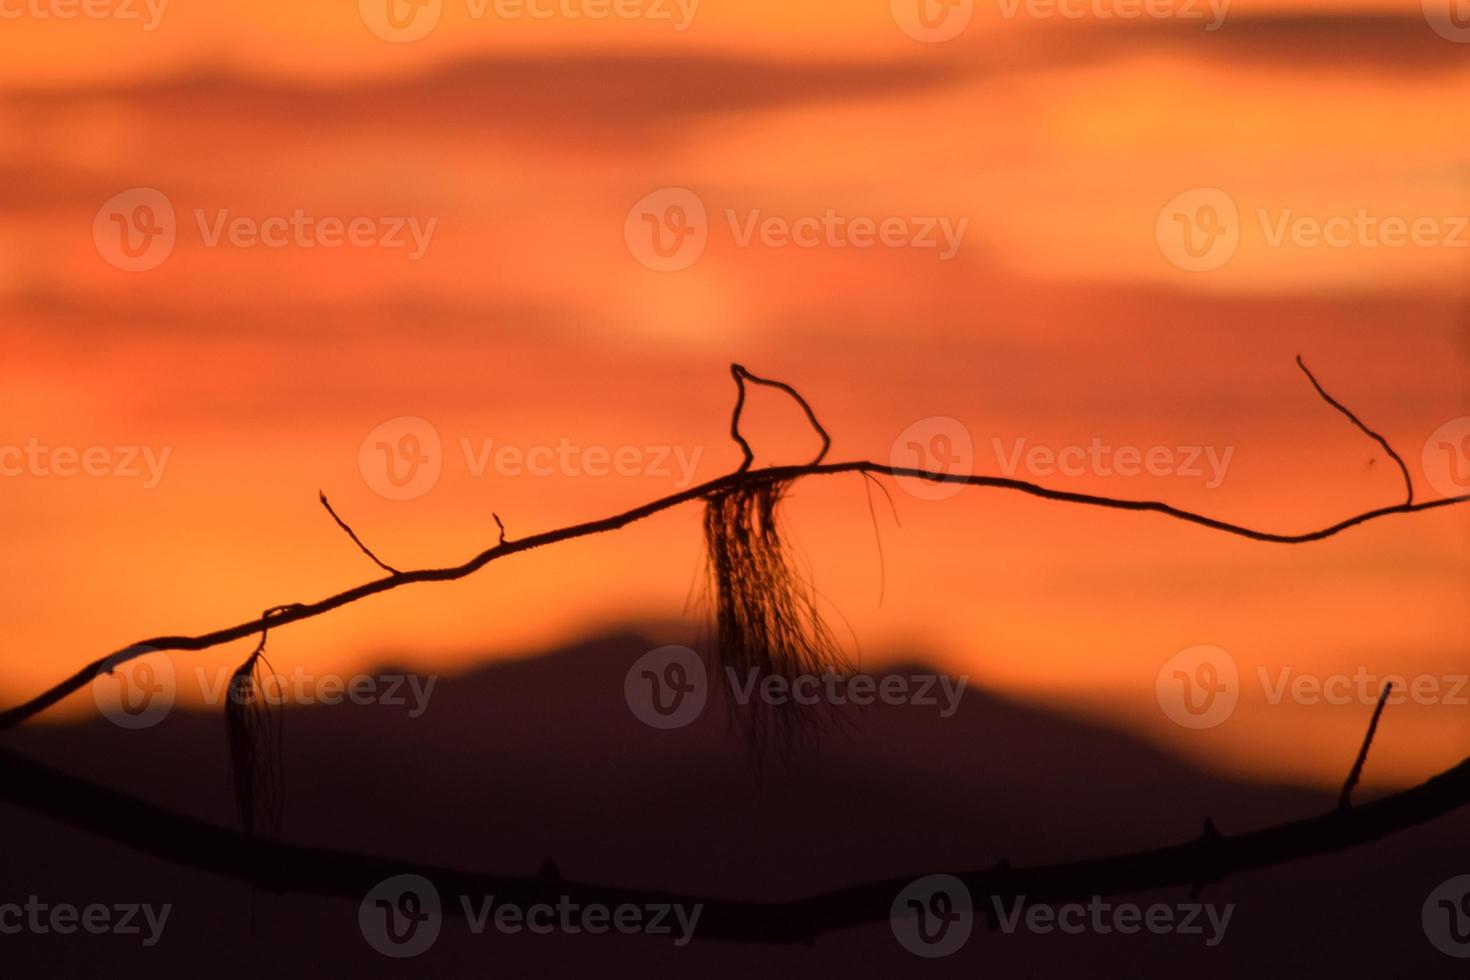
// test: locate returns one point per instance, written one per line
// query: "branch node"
(1210, 834)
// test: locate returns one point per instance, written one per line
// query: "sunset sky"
(1061, 154)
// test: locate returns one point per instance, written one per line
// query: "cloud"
(550, 91)
(1380, 42)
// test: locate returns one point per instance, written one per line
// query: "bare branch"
(320, 871)
(299, 611)
(1346, 800)
(1408, 482)
(355, 539)
(742, 478)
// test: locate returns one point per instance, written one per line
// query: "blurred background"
(447, 259)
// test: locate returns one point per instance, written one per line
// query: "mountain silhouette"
(540, 759)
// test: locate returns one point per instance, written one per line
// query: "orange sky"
(1062, 317)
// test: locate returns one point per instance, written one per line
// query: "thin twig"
(320, 871)
(741, 375)
(355, 539)
(743, 477)
(1408, 482)
(500, 524)
(1346, 800)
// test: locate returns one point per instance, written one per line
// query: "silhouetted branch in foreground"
(743, 481)
(1346, 799)
(303, 869)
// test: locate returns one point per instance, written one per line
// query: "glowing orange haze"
(1059, 320)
